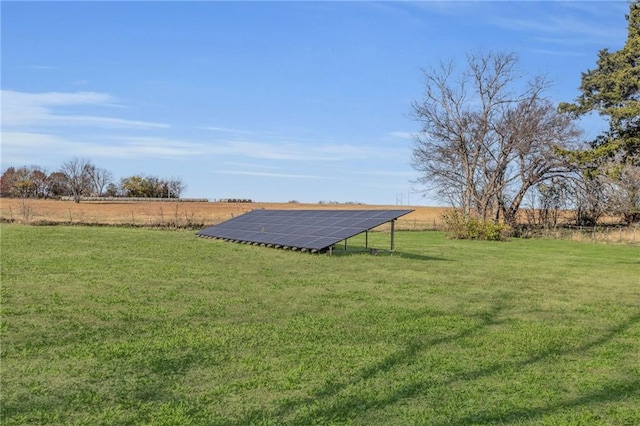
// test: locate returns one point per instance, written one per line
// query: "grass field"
(106, 325)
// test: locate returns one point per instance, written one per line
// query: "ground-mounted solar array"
(312, 230)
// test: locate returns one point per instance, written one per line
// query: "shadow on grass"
(353, 405)
(610, 392)
(414, 256)
(361, 251)
(320, 406)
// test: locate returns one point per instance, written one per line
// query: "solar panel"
(314, 230)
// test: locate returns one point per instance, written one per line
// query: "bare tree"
(625, 197)
(548, 200)
(487, 137)
(100, 178)
(590, 198)
(534, 130)
(175, 187)
(78, 175)
(40, 181)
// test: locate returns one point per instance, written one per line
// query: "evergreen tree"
(613, 90)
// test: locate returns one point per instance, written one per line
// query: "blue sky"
(273, 101)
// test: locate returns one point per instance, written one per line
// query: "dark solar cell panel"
(308, 229)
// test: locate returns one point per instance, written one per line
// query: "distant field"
(155, 212)
(195, 215)
(111, 325)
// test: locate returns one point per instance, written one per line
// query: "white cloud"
(249, 165)
(299, 151)
(19, 145)
(30, 110)
(29, 140)
(557, 52)
(265, 151)
(579, 22)
(25, 148)
(564, 28)
(43, 67)
(109, 146)
(595, 7)
(402, 135)
(228, 130)
(555, 25)
(406, 175)
(270, 174)
(133, 147)
(449, 7)
(58, 122)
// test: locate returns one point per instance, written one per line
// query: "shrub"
(464, 227)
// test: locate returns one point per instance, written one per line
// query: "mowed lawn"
(106, 325)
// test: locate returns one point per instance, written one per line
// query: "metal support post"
(393, 226)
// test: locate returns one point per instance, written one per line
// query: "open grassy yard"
(107, 325)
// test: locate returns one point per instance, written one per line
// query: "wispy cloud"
(249, 165)
(566, 23)
(561, 22)
(124, 146)
(149, 146)
(228, 130)
(43, 67)
(299, 151)
(569, 26)
(402, 135)
(408, 175)
(449, 7)
(595, 7)
(30, 142)
(272, 175)
(18, 145)
(45, 120)
(31, 110)
(558, 52)
(288, 145)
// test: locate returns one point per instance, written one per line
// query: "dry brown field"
(198, 214)
(179, 213)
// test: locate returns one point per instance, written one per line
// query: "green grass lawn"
(105, 325)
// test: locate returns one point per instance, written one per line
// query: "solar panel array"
(314, 230)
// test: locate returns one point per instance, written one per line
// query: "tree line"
(80, 178)
(491, 141)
